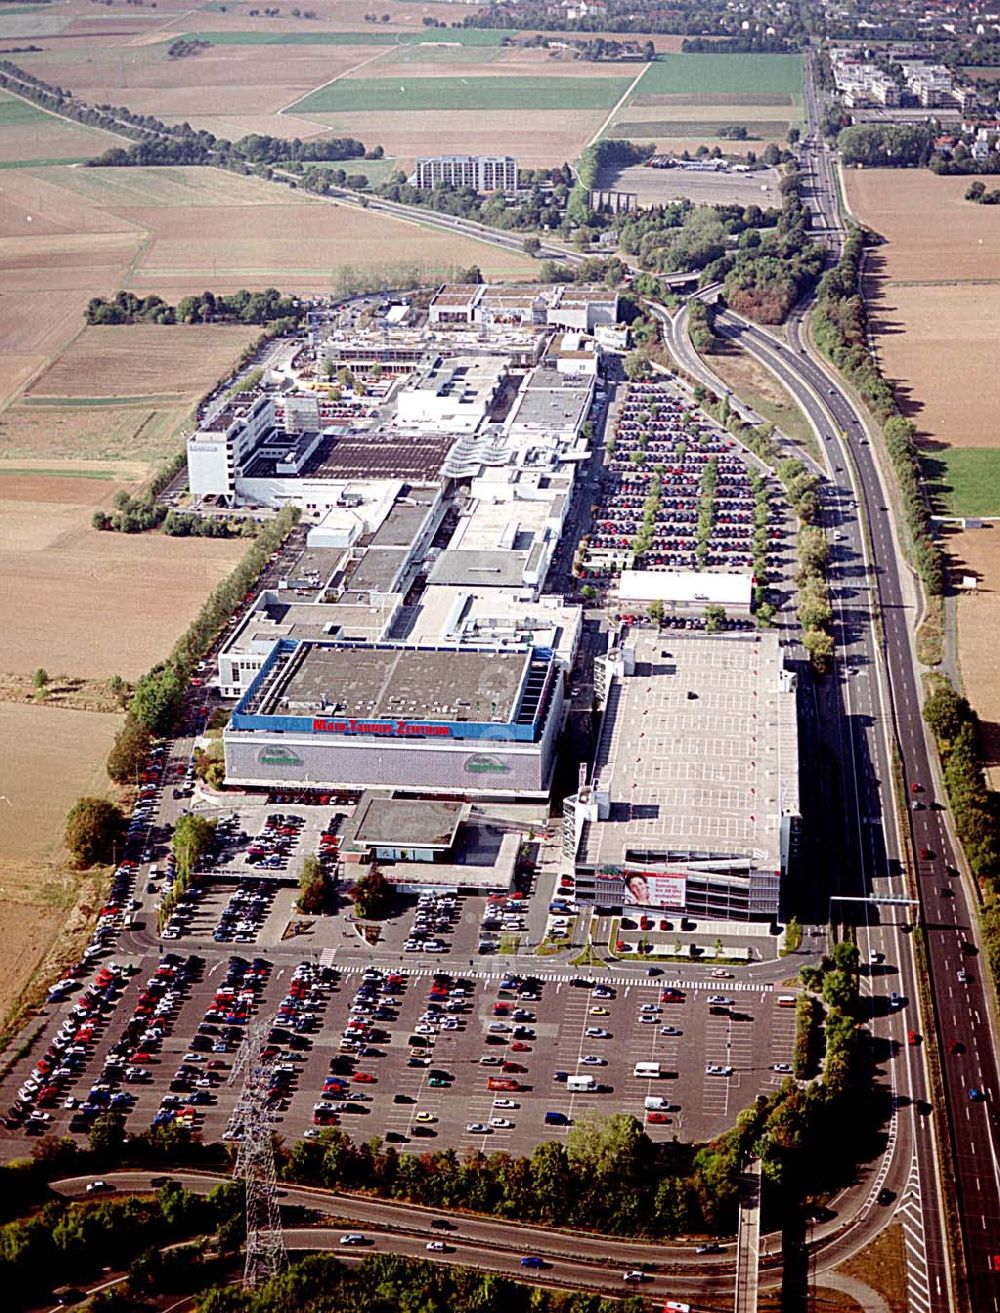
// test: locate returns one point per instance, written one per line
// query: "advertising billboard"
(642, 888)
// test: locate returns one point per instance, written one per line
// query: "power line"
(251, 1125)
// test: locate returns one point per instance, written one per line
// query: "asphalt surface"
(880, 688)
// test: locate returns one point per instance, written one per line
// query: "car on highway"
(354, 1238)
(437, 1247)
(633, 1274)
(710, 1248)
(720, 973)
(977, 1095)
(956, 1046)
(962, 976)
(98, 1187)
(532, 1260)
(912, 1038)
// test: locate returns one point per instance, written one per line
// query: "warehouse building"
(693, 805)
(388, 716)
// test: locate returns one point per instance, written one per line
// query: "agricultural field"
(80, 602)
(29, 135)
(69, 234)
(76, 410)
(933, 291)
(977, 551)
(964, 480)
(437, 94)
(52, 757)
(682, 101)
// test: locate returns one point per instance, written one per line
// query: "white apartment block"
(482, 173)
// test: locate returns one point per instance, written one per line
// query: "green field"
(372, 95)
(15, 113)
(763, 130)
(375, 36)
(742, 98)
(964, 480)
(728, 75)
(53, 472)
(41, 164)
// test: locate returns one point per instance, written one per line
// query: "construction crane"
(251, 1121)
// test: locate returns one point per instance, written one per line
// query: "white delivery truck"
(646, 1070)
(581, 1083)
(655, 1103)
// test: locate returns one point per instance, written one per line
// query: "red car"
(519, 1046)
(912, 1038)
(956, 1046)
(364, 1078)
(658, 1118)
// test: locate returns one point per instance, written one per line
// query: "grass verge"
(882, 1266)
(758, 388)
(930, 635)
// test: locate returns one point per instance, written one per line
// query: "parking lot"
(664, 464)
(422, 1049)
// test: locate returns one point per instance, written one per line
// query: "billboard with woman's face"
(642, 889)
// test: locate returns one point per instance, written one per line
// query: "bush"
(94, 827)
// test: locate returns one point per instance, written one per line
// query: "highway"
(879, 683)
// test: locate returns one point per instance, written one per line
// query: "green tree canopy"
(93, 827)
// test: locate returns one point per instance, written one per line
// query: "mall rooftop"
(382, 682)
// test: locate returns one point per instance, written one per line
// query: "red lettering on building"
(392, 729)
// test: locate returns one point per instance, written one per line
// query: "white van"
(646, 1070)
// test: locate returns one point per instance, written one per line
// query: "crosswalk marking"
(722, 987)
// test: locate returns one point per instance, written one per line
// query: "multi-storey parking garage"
(693, 804)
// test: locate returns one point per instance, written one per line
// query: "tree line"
(840, 329)
(388, 1283)
(609, 1176)
(269, 307)
(159, 143)
(706, 18)
(958, 735)
(886, 145)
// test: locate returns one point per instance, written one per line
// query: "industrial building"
(693, 803)
(460, 723)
